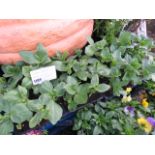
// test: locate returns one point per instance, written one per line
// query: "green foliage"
(109, 29)
(40, 57)
(116, 60)
(17, 103)
(54, 112)
(109, 118)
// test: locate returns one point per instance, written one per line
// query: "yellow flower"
(126, 99)
(128, 90)
(145, 103)
(144, 124)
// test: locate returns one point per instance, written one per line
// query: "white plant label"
(142, 29)
(38, 76)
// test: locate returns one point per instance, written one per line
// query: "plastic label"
(38, 76)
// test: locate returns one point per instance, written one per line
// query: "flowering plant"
(126, 115)
(107, 64)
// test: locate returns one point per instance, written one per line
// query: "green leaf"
(103, 70)
(100, 44)
(59, 89)
(44, 99)
(81, 96)
(35, 120)
(55, 112)
(26, 71)
(92, 60)
(82, 75)
(1, 105)
(110, 114)
(41, 55)
(6, 127)
(34, 105)
(7, 69)
(125, 38)
(87, 115)
(105, 55)
(70, 89)
(60, 66)
(12, 96)
(72, 105)
(76, 66)
(97, 130)
(12, 82)
(23, 92)
(20, 113)
(95, 80)
(117, 56)
(11, 71)
(90, 50)
(115, 72)
(116, 86)
(77, 125)
(98, 109)
(147, 42)
(61, 56)
(46, 87)
(5, 106)
(71, 80)
(27, 82)
(102, 88)
(116, 125)
(29, 57)
(3, 85)
(90, 40)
